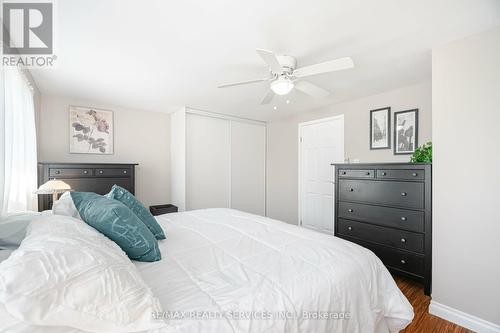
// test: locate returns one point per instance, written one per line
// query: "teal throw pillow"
(118, 223)
(128, 199)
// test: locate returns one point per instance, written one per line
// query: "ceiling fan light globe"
(282, 86)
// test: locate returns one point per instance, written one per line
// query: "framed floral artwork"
(405, 132)
(380, 128)
(91, 130)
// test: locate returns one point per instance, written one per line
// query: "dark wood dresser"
(86, 177)
(387, 208)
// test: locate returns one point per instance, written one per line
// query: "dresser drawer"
(112, 172)
(400, 239)
(70, 172)
(398, 259)
(391, 193)
(99, 185)
(390, 217)
(401, 174)
(354, 173)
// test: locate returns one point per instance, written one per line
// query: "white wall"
(466, 175)
(282, 139)
(178, 158)
(139, 137)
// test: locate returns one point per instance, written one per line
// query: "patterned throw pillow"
(128, 199)
(118, 223)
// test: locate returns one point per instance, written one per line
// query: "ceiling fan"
(284, 76)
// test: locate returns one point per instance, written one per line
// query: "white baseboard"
(463, 319)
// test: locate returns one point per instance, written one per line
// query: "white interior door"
(248, 167)
(321, 143)
(208, 165)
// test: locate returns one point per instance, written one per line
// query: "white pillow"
(65, 206)
(65, 273)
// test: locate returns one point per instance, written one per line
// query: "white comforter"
(227, 271)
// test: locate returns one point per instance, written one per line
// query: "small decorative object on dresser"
(405, 132)
(91, 130)
(162, 209)
(380, 128)
(387, 208)
(422, 154)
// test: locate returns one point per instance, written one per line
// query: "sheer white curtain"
(18, 157)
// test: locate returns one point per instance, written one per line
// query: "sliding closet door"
(248, 167)
(208, 183)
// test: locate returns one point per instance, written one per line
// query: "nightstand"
(162, 209)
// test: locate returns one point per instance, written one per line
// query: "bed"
(228, 271)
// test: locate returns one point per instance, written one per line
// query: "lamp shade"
(53, 186)
(282, 85)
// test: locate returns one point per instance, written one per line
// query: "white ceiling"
(158, 55)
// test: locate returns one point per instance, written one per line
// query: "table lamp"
(54, 187)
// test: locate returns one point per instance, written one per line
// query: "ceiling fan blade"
(268, 98)
(311, 89)
(225, 85)
(271, 60)
(324, 67)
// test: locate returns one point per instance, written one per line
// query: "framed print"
(91, 130)
(380, 128)
(405, 132)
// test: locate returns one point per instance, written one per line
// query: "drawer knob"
(58, 172)
(100, 171)
(85, 172)
(349, 228)
(351, 190)
(403, 218)
(403, 261)
(403, 194)
(384, 174)
(403, 240)
(350, 210)
(344, 173)
(125, 171)
(367, 173)
(414, 174)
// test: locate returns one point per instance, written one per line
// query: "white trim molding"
(463, 319)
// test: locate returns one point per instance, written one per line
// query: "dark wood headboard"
(86, 177)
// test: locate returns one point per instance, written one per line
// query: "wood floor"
(423, 321)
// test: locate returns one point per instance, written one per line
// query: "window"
(18, 156)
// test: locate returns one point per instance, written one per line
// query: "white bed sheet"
(220, 264)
